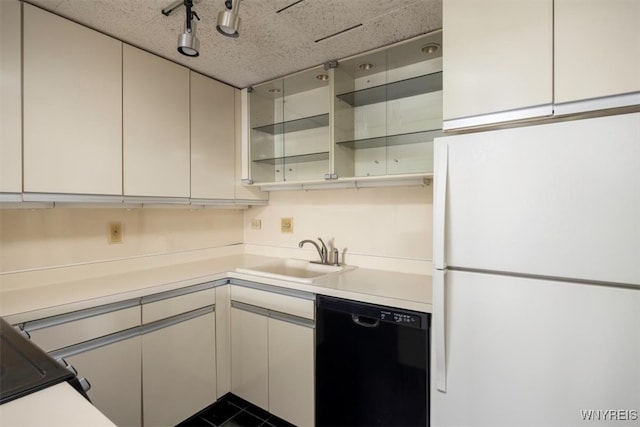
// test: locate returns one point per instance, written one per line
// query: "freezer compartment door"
(526, 352)
(556, 200)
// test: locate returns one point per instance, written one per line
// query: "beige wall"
(55, 237)
(378, 223)
(377, 228)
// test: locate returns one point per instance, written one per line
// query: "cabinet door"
(291, 372)
(179, 370)
(114, 372)
(242, 154)
(72, 107)
(498, 59)
(249, 357)
(10, 98)
(597, 49)
(212, 138)
(155, 125)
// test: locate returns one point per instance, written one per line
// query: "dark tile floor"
(232, 411)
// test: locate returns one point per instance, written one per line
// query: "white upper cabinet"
(155, 126)
(289, 128)
(242, 160)
(387, 108)
(10, 98)
(212, 139)
(72, 98)
(519, 59)
(497, 63)
(597, 53)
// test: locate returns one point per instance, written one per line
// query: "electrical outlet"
(286, 225)
(115, 232)
(256, 224)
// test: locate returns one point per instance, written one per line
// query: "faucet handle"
(324, 254)
(336, 257)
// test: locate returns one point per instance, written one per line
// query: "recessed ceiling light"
(365, 66)
(322, 77)
(430, 48)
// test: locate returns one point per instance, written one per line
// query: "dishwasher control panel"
(399, 317)
(370, 315)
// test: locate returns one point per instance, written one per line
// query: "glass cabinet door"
(388, 108)
(289, 120)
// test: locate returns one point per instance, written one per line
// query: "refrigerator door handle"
(439, 329)
(441, 161)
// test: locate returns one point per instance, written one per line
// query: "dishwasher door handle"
(358, 320)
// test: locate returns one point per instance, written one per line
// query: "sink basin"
(296, 270)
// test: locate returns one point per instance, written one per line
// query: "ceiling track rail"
(291, 5)
(338, 33)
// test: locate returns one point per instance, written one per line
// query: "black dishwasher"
(372, 365)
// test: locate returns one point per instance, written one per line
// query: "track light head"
(228, 19)
(188, 43)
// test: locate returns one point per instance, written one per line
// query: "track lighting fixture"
(228, 19)
(188, 43)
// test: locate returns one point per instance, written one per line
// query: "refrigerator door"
(555, 200)
(528, 352)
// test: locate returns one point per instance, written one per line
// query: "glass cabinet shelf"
(391, 140)
(396, 90)
(298, 158)
(297, 125)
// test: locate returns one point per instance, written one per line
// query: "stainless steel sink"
(295, 270)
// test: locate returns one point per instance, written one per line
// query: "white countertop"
(61, 405)
(57, 406)
(29, 302)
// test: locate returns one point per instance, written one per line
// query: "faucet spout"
(321, 251)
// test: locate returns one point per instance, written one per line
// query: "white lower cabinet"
(155, 361)
(178, 355)
(114, 372)
(178, 370)
(273, 353)
(249, 356)
(291, 372)
(104, 346)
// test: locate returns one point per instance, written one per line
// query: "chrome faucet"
(322, 251)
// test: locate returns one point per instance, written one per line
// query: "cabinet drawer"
(175, 305)
(274, 301)
(77, 331)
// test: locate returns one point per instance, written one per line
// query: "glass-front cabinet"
(289, 121)
(388, 108)
(371, 115)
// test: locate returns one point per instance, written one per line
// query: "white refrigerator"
(536, 317)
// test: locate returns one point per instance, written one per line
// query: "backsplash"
(383, 228)
(56, 237)
(375, 227)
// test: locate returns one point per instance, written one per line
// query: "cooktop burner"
(24, 367)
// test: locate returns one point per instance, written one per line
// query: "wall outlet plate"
(256, 224)
(286, 225)
(115, 232)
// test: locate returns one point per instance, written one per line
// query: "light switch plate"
(256, 224)
(286, 225)
(115, 232)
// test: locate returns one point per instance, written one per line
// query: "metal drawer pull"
(85, 384)
(370, 323)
